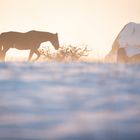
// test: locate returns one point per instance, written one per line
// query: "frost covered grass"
(69, 101)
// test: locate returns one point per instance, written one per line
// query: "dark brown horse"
(26, 41)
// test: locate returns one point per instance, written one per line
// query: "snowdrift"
(126, 47)
(69, 101)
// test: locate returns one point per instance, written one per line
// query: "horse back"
(27, 38)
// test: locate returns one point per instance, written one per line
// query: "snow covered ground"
(69, 101)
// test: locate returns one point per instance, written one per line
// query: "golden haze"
(93, 22)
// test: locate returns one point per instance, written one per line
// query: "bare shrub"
(70, 53)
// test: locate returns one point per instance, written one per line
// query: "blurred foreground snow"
(73, 101)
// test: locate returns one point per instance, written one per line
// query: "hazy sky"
(93, 22)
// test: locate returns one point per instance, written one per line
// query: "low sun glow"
(92, 22)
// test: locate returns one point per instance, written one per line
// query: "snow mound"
(127, 43)
(130, 36)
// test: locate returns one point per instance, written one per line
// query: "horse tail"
(1, 43)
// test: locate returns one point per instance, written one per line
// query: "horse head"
(55, 41)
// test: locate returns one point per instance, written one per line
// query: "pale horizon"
(92, 22)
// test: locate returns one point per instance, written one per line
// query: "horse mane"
(31, 31)
(35, 31)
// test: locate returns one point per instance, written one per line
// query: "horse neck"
(47, 37)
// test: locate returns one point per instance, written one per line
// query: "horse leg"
(3, 53)
(37, 53)
(30, 55)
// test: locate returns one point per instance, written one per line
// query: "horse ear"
(56, 33)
